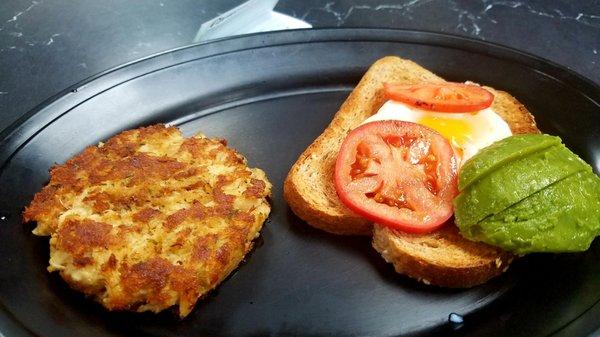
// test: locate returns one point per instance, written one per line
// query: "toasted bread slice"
(308, 188)
(444, 257)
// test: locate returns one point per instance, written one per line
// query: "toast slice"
(308, 188)
(442, 258)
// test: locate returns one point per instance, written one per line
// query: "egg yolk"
(457, 131)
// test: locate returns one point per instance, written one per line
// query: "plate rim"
(20, 132)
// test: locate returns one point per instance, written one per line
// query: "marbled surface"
(46, 46)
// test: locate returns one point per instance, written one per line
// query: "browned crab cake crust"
(150, 219)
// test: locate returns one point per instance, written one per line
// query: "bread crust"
(308, 188)
(442, 258)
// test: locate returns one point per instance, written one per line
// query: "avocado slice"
(563, 217)
(515, 181)
(502, 152)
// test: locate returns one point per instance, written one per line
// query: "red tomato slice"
(443, 97)
(398, 174)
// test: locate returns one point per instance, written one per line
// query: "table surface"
(46, 46)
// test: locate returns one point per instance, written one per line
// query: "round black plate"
(270, 95)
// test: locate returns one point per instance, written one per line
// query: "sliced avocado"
(515, 181)
(501, 153)
(564, 217)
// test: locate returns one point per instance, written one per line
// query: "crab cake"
(149, 219)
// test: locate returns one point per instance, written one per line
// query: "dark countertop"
(46, 46)
(49, 45)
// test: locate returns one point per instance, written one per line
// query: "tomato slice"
(442, 97)
(398, 174)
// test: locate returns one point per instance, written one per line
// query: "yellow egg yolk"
(456, 131)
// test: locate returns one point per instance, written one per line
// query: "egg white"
(467, 132)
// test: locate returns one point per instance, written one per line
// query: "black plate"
(271, 95)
